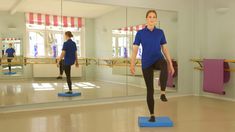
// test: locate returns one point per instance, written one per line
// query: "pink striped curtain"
(133, 28)
(53, 20)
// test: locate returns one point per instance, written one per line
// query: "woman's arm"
(168, 58)
(133, 58)
(14, 54)
(76, 59)
(61, 55)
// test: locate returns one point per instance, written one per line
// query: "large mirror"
(25, 42)
(103, 36)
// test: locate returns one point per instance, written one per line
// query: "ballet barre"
(111, 62)
(200, 67)
(13, 60)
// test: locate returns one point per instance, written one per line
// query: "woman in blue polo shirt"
(153, 42)
(69, 53)
(10, 53)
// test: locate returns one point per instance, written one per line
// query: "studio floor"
(21, 92)
(190, 114)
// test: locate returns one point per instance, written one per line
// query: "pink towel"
(215, 76)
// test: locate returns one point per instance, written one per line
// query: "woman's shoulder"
(140, 31)
(159, 30)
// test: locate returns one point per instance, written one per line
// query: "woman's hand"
(171, 69)
(58, 62)
(77, 65)
(132, 69)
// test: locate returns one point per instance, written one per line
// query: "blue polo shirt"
(10, 52)
(70, 49)
(151, 42)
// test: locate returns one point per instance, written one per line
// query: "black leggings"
(148, 77)
(67, 69)
(9, 64)
(61, 67)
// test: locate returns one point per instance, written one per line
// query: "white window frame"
(46, 32)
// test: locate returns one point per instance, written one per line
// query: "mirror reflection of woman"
(69, 53)
(10, 53)
(154, 45)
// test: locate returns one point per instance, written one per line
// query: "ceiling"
(68, 8)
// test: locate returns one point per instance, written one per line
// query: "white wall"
(90, 70)
(103, 42)
(17, 20)
(215, 35)
(51, 70)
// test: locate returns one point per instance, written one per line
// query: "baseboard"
(220, 98)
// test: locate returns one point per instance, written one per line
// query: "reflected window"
(114, 46)
(46, 36)
(120, 43)
(86, 85)
(42, 86)
(122, 47)
(36, 44)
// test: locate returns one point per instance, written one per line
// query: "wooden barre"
(82, 61)
(227, 70)
(201, 60)
(12, 63)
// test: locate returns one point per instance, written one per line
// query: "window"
(139, 54)
(122, 41)
(122, 46)
(46, 37)
(114, 46)
(36, 43)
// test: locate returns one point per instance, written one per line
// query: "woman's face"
(151, 19)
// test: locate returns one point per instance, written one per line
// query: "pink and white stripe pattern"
(133, 28)
(53, 20)
(9, 39)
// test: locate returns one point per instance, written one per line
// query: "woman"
(153, 42)
(10, 53)
(69, 53)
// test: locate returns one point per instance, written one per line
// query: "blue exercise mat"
(9, 73)
(160, 122)
(69, 95)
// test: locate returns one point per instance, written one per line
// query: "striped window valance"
(133, 28)
(9, 39)
(53, 20)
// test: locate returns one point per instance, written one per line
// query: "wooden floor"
(45, 91)
(190, 114)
